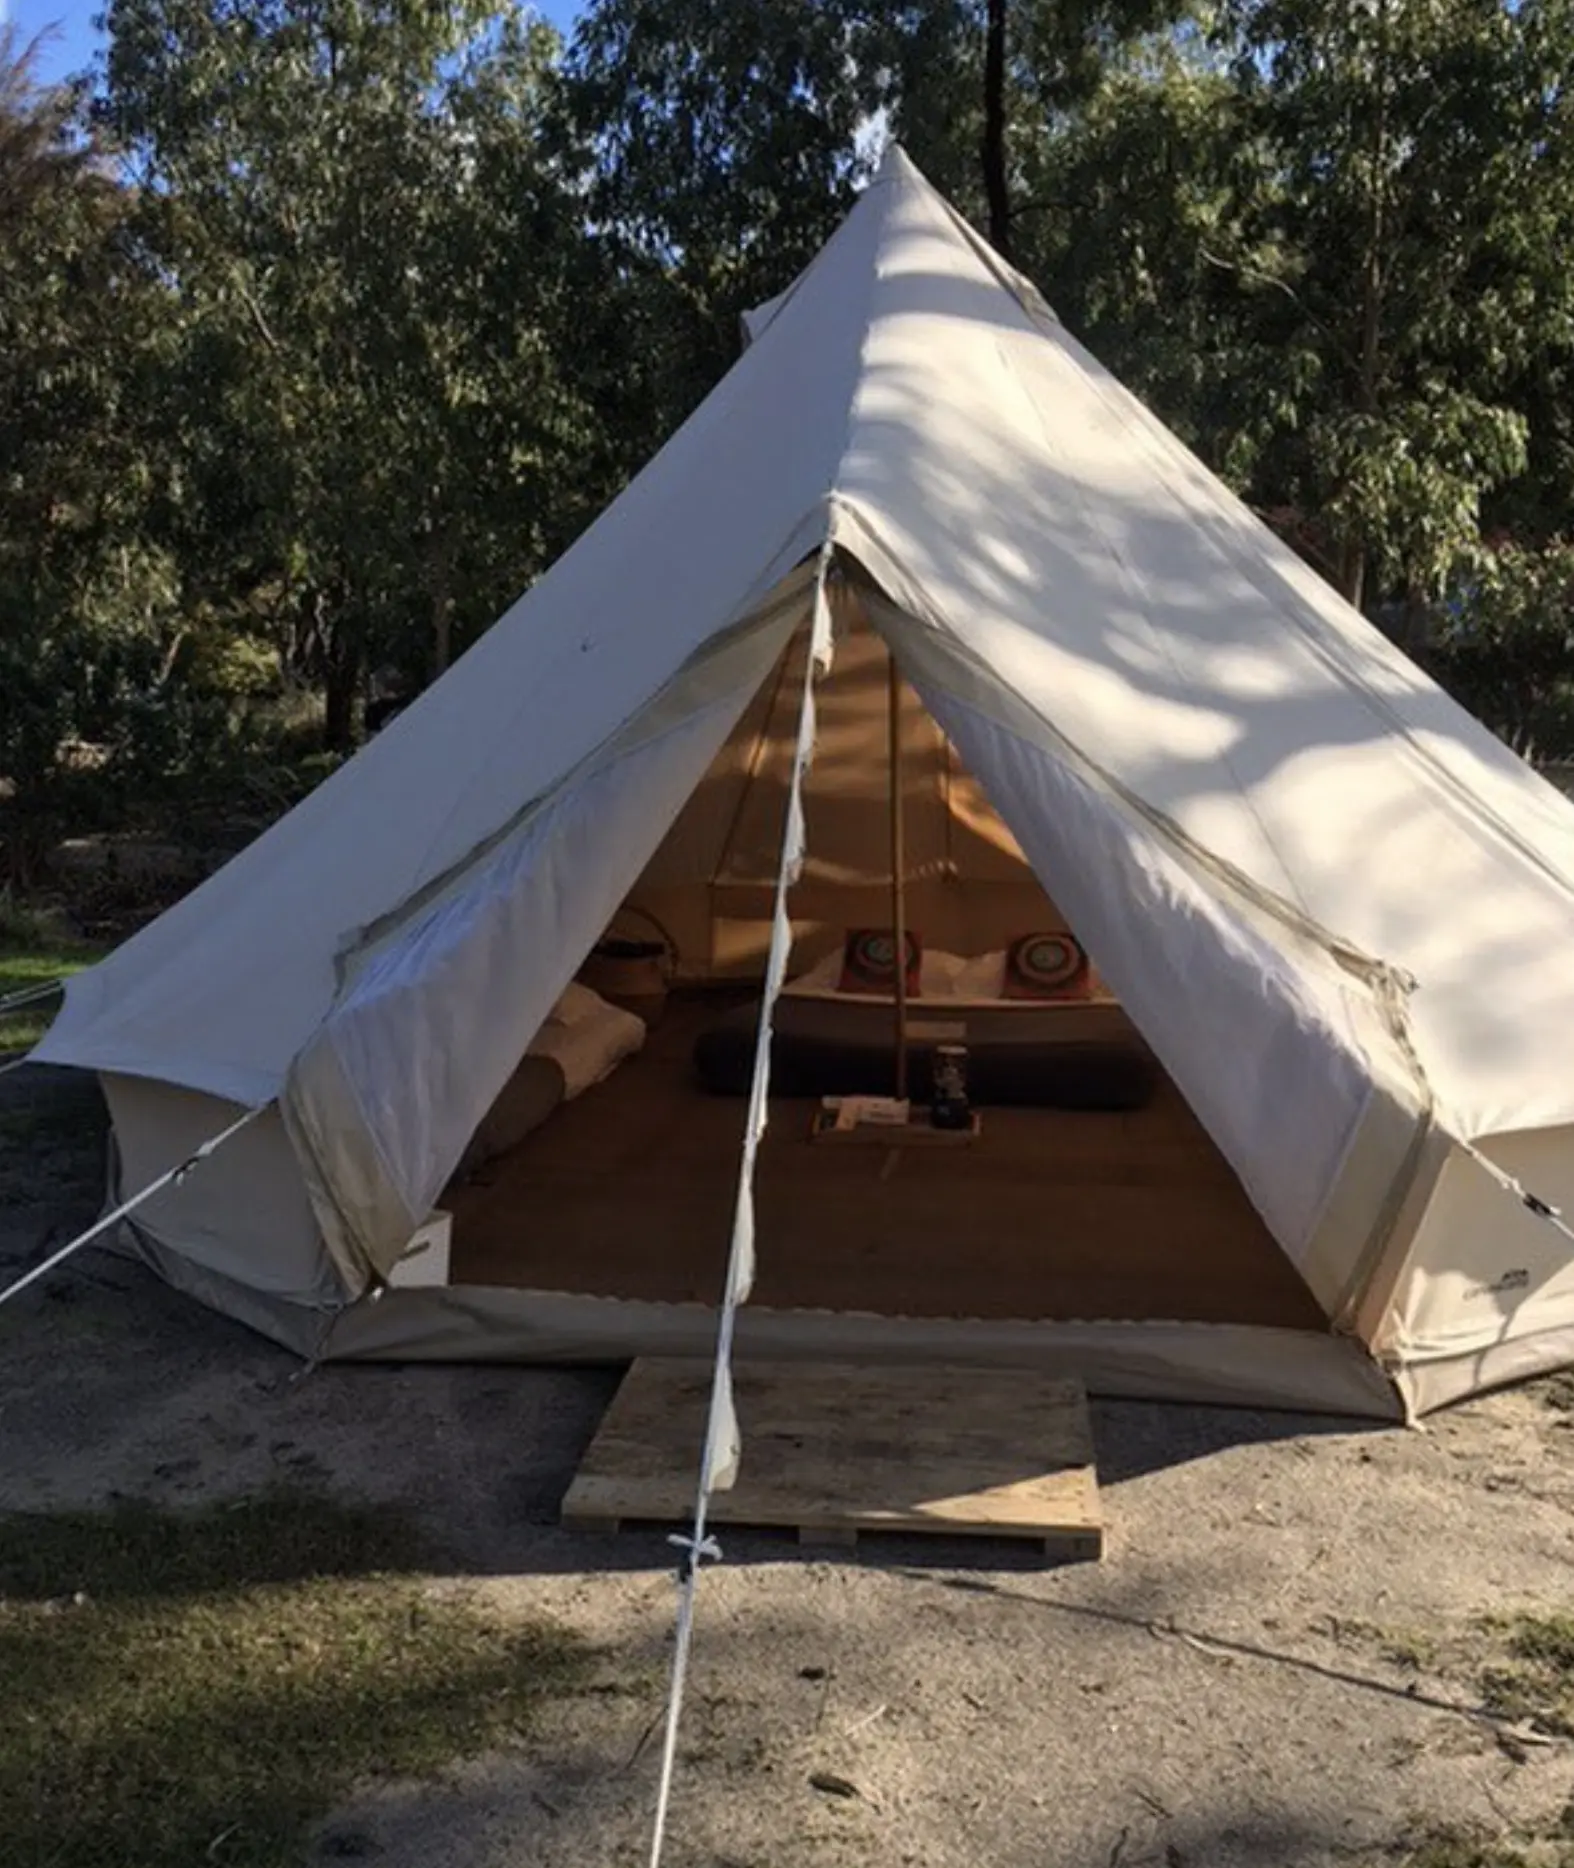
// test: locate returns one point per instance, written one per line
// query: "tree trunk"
(993, 152)
(1352, 571)
(440, 572)
(341, 691)
(344, 687)
(1415, 623)
(1353, 558)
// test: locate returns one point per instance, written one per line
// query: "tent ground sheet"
(628, 1192)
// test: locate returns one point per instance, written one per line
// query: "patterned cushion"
(869, 963)
(1046, 966)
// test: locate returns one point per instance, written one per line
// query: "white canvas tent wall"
(1264, 821)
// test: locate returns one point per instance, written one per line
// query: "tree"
(87, 600)
(725, 144)
(379, 267)
(731, 136)
(1415, 189)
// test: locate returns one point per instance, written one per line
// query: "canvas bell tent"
(1332, 919)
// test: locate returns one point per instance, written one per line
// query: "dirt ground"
(1277, 1663)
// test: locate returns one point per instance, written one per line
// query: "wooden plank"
(832, 1451)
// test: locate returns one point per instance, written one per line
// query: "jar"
(948, 1099)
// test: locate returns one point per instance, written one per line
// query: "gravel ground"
(1277, 1662)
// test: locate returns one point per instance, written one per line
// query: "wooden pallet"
(835, 1452)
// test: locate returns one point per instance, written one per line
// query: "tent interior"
(1091, 1191)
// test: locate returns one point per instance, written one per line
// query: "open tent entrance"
(1092, 1193)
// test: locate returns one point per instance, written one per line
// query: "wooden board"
(833, 1451)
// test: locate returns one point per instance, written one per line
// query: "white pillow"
(576, 1005)
(983, 977)
(938, 973)
(821, 977)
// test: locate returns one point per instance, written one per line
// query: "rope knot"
(695, 1552)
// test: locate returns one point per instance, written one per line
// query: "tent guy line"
(172, 1178)
(723, 1442)
(30, 995)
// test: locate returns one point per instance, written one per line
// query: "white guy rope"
(29, 995)
(722, 1450)
(172, 1178)
(1533, 1203)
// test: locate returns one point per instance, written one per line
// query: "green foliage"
(1505, 644)
(88, 595)
(720, 150)
(202, 1686)
(36, 947)
(381, 273)
(725, 141)
(327, 327)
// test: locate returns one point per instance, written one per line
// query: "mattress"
(1020, 1053)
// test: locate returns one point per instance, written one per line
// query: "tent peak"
(897, 165)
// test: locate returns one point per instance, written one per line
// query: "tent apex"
(896, 164)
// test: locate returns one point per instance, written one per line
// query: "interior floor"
(628, 1191)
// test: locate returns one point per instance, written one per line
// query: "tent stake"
(898, 897)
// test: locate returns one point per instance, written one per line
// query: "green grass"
(34, 948)
(1536, 1680)
(1530, 1680)
(1456, 1850)
(200, 1687)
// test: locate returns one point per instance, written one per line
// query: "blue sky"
(73, 42)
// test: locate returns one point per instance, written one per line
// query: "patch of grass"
(1459, 1848)
(1453, 1849)
(1413, 1648)
(1557, 1391)
(1537, 1680)
(198, 1688)
(35, 947)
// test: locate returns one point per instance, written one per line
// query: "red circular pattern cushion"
(868, 962)
(1046, 966)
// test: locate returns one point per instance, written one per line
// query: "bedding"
(582, 1042)
(1025, 1054)
(982, 980)
(525, 1101)
(587, 1038)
